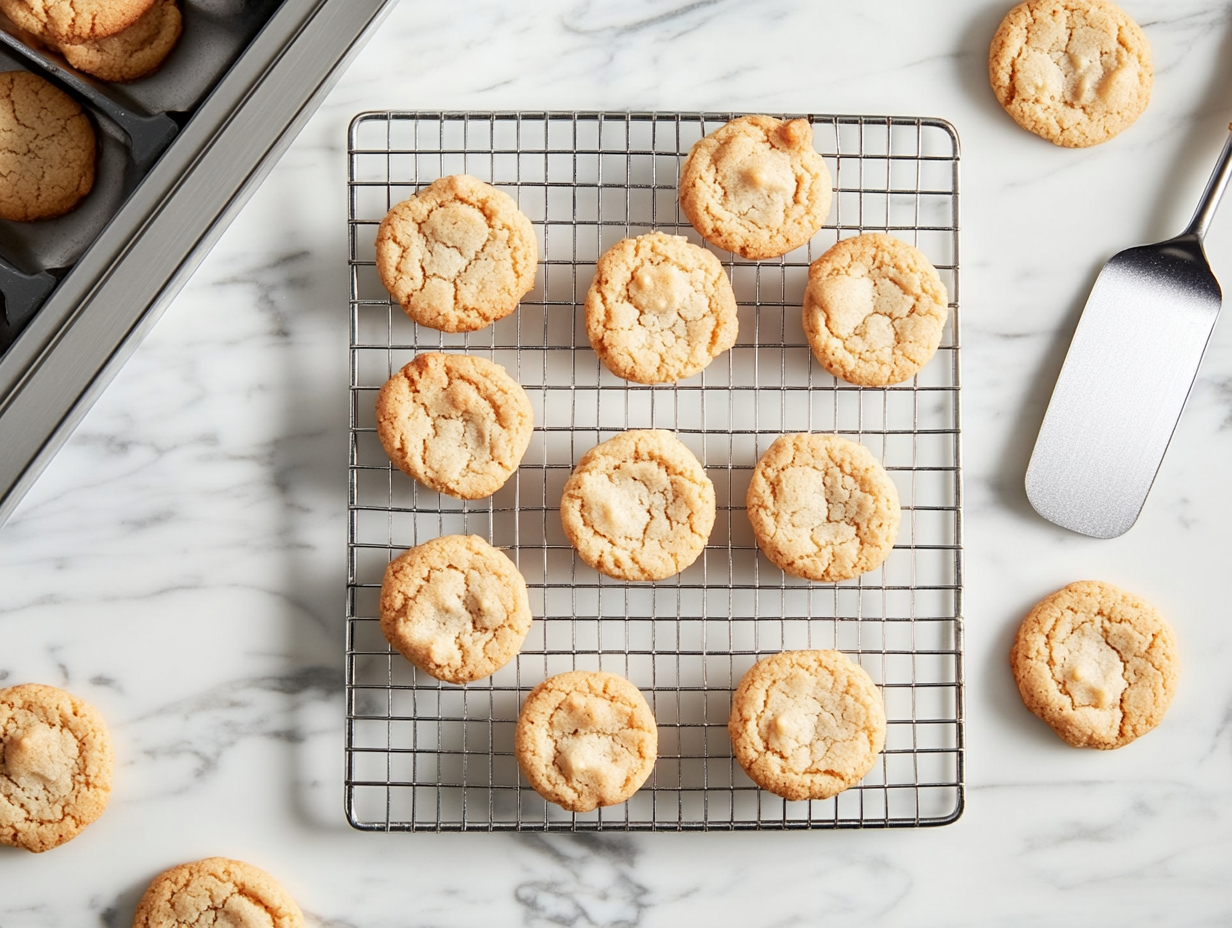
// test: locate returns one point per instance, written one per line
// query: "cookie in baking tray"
(822, 507)
(807, 724)
(455, 607)
(55, 766)
(456, 423)
(874, 310)
(756, 186)
(1075, 72)
(74, 20)
(458, 255)
(47, 149)
(659, 309)
(586, 739)
(216, 891)
(134, 53)
(1096, 663)
(639, 506)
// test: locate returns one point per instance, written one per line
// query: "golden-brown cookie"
(1096, 663)
(456, 607)
(46, 149)
(822, 507)
(585, 739)
(807, 724)
(74, 20)
(458, 255)
(639, 506)
(1075, 72)
(458, 424)
(133, 53)
(217, 892)
(55, 766)
(874, 310)
(756, 186)
(659, 309)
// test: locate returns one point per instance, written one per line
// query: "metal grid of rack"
(422, 755)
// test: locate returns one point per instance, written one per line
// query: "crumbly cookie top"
(46, 149)
(822, 507)
(458, 255)
(55, 766)
(874, 310)
(756, 186)
(807, 724)
(133, 53)
(74, 20)
(659, 308)
(1096, 663)
(1075, 72)
(455, 607)
(586, 739)
(639, 506)
(457, 423)
(214, 892)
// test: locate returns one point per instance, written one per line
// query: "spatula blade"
(1128, 372)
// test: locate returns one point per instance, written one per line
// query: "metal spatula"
(1128, 371)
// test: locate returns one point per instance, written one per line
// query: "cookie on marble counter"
(807, 724)
(133, 53)
(456, 423)
(458, 255)
(756, 186)
(74, 20)
(822, 507)
(55, 766)
(455, 607)
(47, 149)
(586, 739)
(639, 506)
(1096, 663)
(216, 891)
(874, 310)
(1075, 72)
(659, 309)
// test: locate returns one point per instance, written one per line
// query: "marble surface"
(181, 562)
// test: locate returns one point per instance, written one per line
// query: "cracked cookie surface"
(456, 423)
(455, 607)
(1096, 663)
(639, 506)
(458, 255)
(756, 186)
(1075, 72)
(874, 310)
(46, 149)
(585, 739)
(822, 507)
(215, 892)
(55, 766)
(807, 724)
(659, 309)
(74, 20)
(132, 53)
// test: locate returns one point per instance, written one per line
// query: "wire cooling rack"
(422, 755)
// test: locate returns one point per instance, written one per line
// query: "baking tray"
(422, 755)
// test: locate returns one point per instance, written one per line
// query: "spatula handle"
(1214, 190)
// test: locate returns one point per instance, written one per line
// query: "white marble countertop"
(181, 562)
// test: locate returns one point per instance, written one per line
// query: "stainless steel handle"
(1213, 192)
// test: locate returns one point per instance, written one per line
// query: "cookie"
(55, 766)
(1075, 72)
(807, 724)
(1096, 663)
(874, 310)
(456, 423)
(586, 739)
(74, 20)
(132, 53)
(822, 507)
(455, 607)
(638, 506)
(216, 891)
(458, 255)
(756, 186)
(46, 149)
(659, 309)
